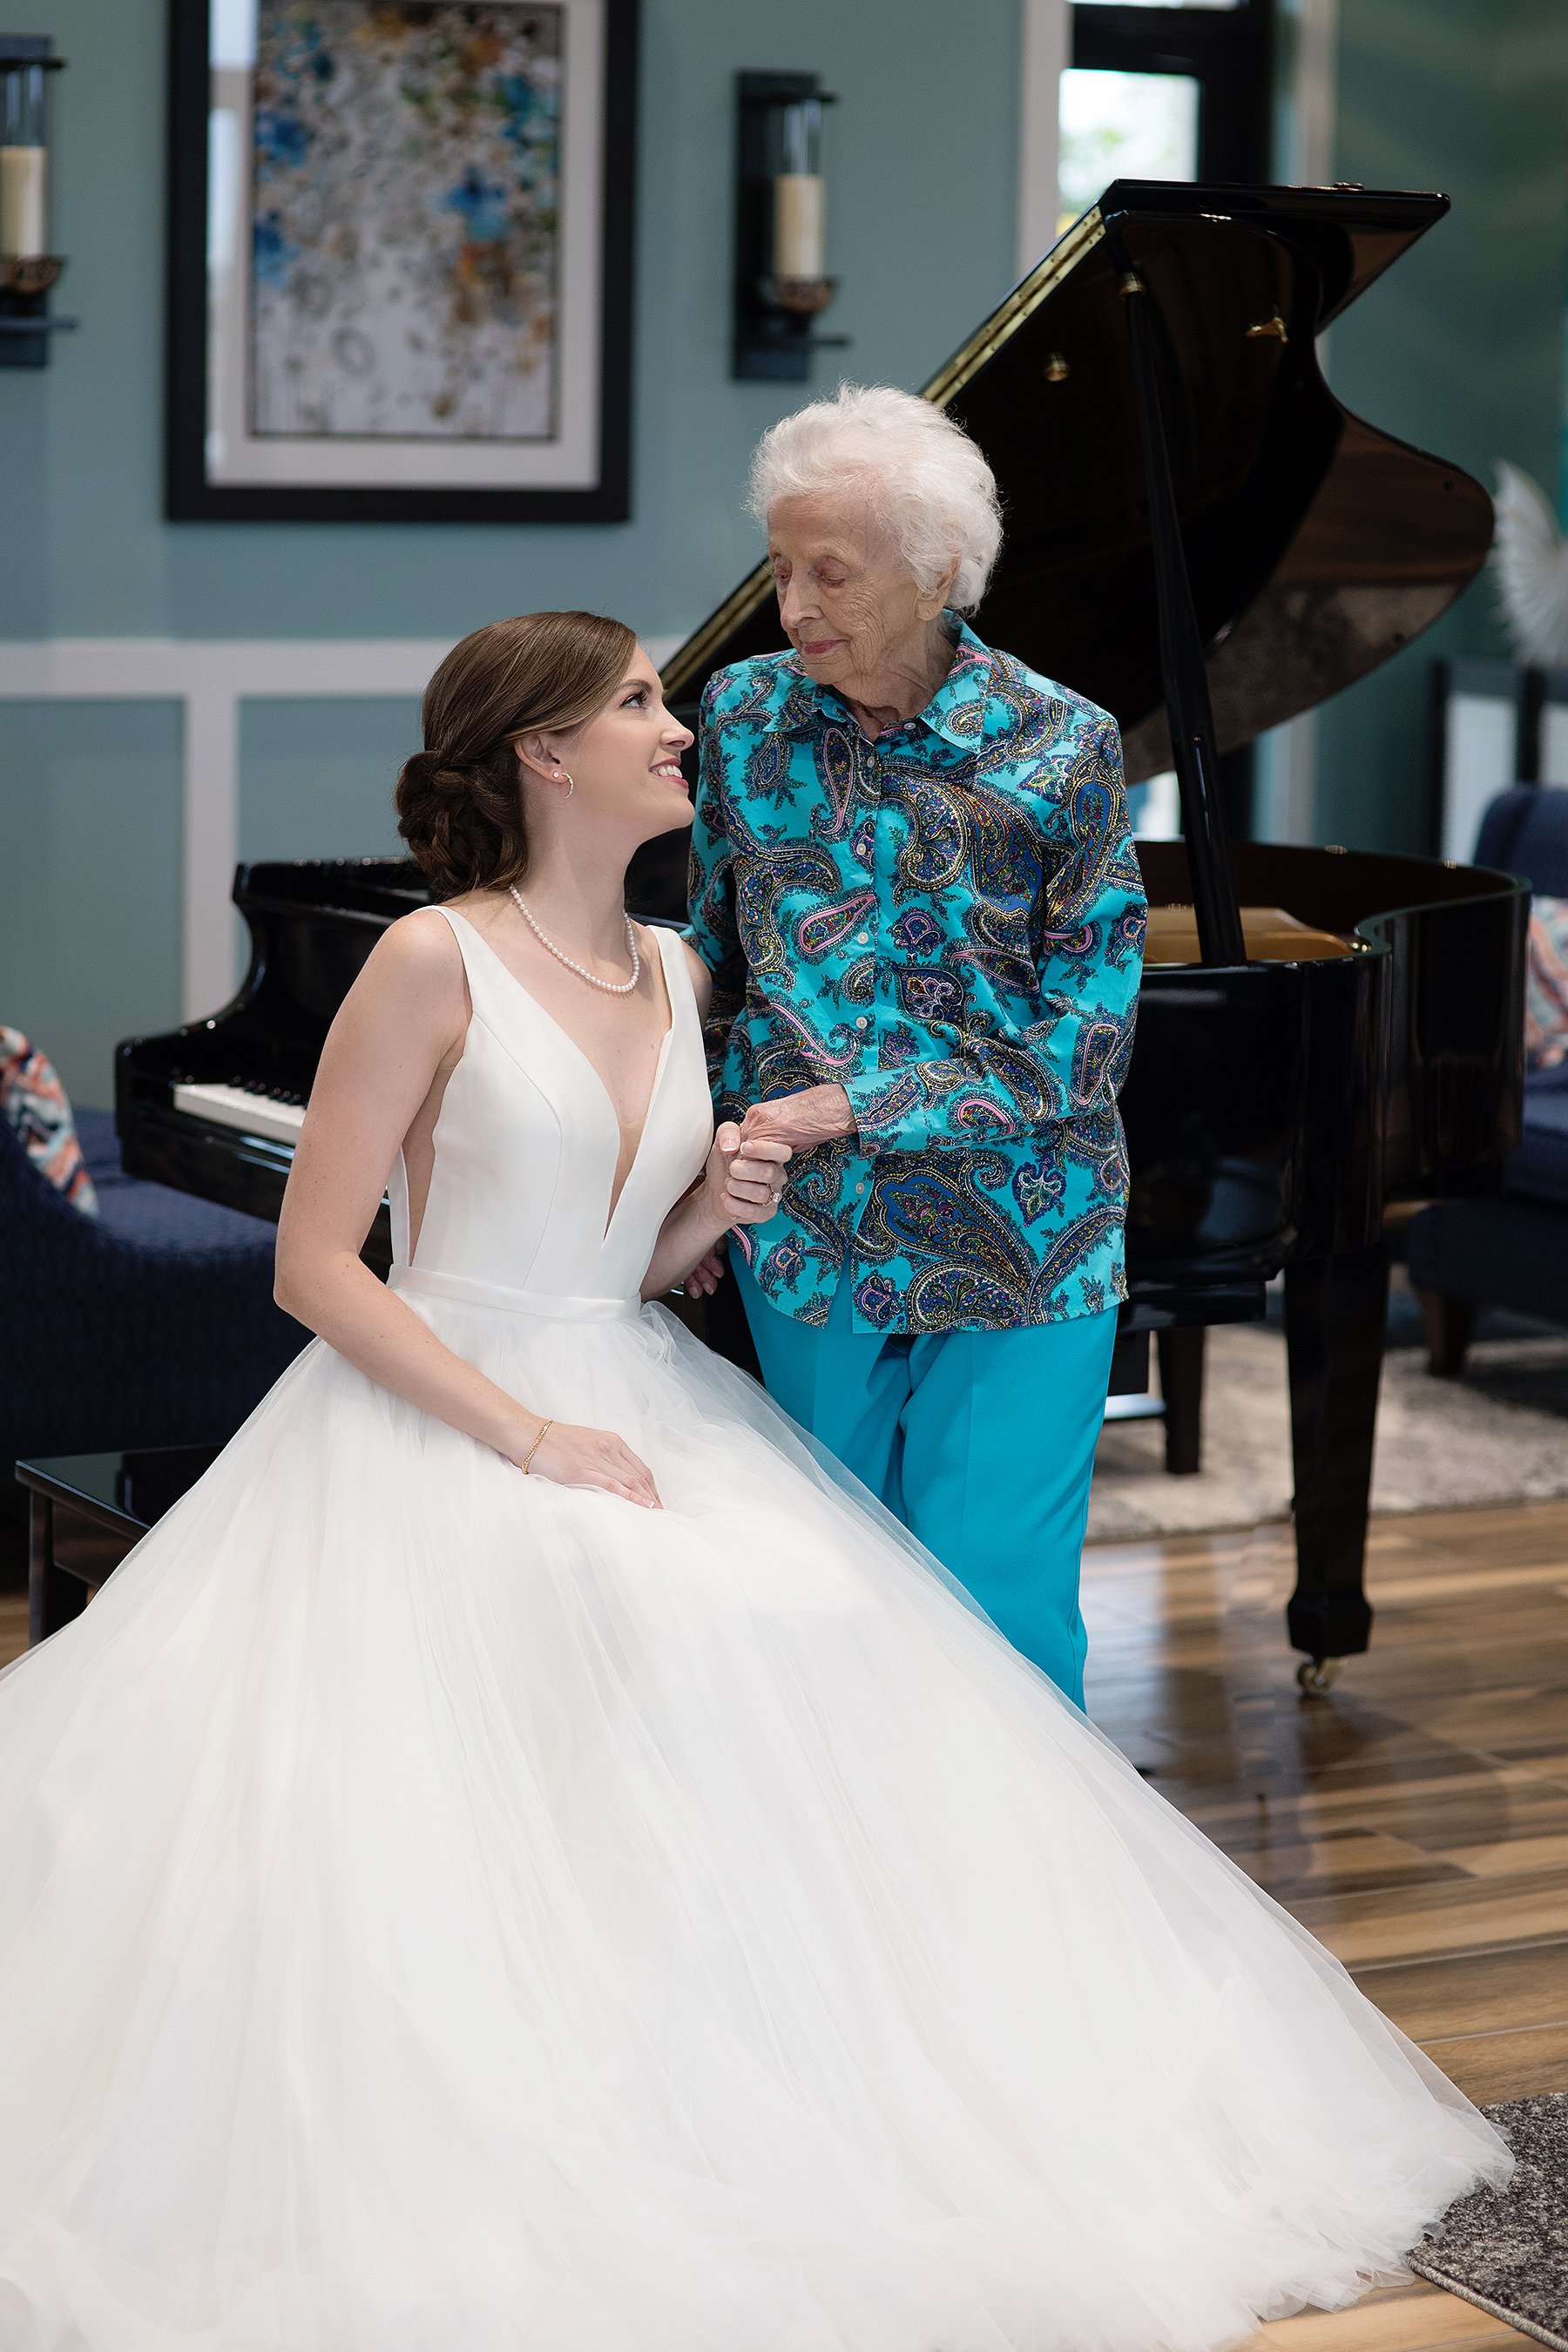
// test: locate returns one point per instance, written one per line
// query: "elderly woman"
(914, 884)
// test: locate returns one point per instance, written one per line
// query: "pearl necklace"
(610, 987)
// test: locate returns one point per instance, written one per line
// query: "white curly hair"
(925, 480)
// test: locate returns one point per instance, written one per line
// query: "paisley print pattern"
(827, 927)
(930, 996)
(915, 933)
(949, 922)
(1039, 1185)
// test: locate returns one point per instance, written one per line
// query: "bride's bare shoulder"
(417, 956)
(422, 941)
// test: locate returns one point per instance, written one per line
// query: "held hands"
(744, 1178)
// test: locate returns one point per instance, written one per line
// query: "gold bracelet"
(535, 1447)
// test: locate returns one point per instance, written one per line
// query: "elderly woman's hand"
(815, 1115)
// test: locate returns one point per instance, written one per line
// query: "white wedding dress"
(442, 1911)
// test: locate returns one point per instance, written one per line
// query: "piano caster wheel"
(1317, 1676)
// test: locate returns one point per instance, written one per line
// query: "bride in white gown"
(637, 1905)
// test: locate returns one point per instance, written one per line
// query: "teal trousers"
(981, 1442)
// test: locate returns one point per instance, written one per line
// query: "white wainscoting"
(211, 679)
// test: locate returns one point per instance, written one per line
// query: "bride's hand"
(743, 1187)
(574, 1457)
(707, 1274)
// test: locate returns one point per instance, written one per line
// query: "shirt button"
(860, 1021)
(859, 1190)
(863, 939)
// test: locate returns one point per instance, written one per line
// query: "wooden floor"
(1416, 1820)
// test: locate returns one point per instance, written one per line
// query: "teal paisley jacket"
(949, 922)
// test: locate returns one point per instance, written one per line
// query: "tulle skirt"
(444, 1912)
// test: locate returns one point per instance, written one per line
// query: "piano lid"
(1316, 546)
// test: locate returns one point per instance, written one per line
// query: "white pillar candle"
(22, 201)
(797, 225)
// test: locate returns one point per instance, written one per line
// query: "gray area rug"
(1507, 2251)
(1498, 1435)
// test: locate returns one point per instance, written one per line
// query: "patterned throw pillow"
(1546, 985)
(33, 1105)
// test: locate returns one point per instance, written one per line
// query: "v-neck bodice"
(527, 1143)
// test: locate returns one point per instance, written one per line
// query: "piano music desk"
(1272, 936)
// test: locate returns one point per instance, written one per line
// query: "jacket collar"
(957, 711)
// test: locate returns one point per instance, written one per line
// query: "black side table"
(85, 1512)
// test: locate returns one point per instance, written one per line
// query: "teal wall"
(90, 879)
(315, 777)
(924, 160)
(923, 172)
(1459, 348)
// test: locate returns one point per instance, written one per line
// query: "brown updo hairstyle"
(459, 800)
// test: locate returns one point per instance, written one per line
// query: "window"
(1188, 87)
(1123, 126)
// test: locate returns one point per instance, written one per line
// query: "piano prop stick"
(1201, 539)
(1182, 673)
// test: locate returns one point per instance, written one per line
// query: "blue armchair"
(150, 1325)
(1510, 1250)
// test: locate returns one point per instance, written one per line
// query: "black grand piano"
(1202, 539)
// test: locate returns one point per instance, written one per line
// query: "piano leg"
(1335, 1312)
(1181, 1353)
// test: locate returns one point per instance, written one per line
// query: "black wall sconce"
(27, 267)
(780, 220)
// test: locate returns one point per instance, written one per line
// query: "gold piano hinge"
(1024, 299)
(1056, 369)
(1274, 327)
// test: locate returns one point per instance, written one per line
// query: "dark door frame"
(1229, 53)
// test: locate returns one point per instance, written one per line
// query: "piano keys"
(270, 1117)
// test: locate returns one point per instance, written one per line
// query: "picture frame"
(400, 244)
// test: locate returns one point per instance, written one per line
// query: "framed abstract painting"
(401, 260)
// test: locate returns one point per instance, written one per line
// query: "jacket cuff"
(891, 1110)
